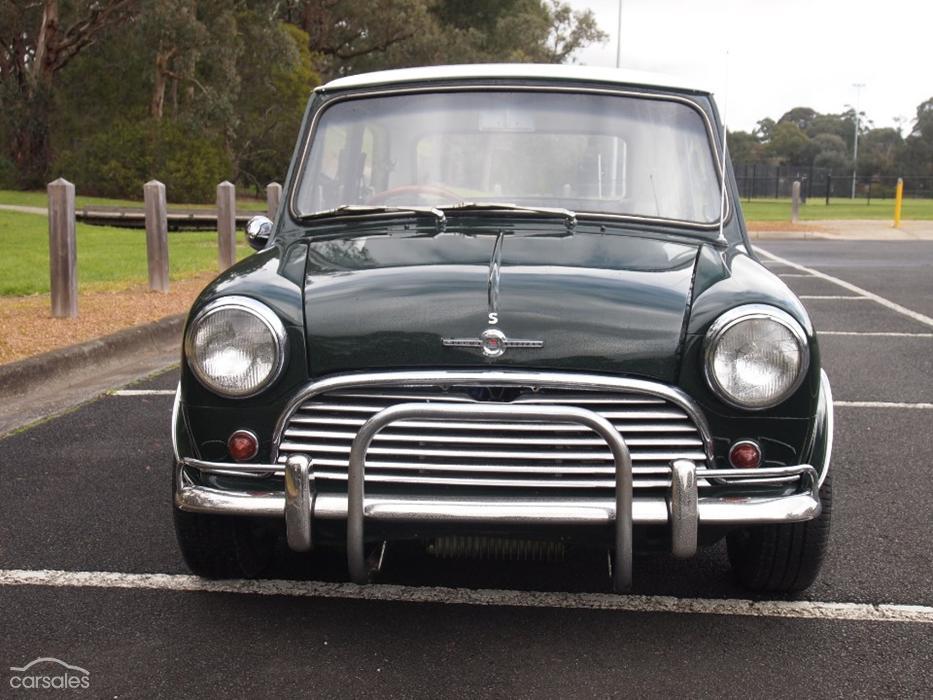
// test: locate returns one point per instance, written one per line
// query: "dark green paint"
(625, 299)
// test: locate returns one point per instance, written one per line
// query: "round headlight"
(756, 356)
(236, 346)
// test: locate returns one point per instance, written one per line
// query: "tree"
(274, 91)
(801, 116)
(37, 40)
(342, 32)
(879, 150)
(918, 146)
(351, 36)
(744, 148)
(570, 31)
(831, 153)
(764, 130)
(790, 145)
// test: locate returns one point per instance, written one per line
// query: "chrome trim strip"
(727, 320)
(473, 87)
(176, 413)
(298, 503)
(554, 380)
(268, 317)
(646, 509)
(492, 283)
(826, 392)
(356, 557)
(684, 514)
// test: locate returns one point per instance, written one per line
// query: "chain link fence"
(760, 181)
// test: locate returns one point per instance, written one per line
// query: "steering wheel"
(433, 191)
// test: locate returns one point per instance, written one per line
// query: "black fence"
(757, 181)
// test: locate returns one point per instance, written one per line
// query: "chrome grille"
(487, 454)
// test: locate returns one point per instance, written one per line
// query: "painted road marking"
(910, 313)
(794, 275)
(143, 392)
(882, 612)
(883, 404)
(831, 296)
(878, 334)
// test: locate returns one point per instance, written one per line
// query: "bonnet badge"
(492, 341)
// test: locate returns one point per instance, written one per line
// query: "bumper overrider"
(762, 496)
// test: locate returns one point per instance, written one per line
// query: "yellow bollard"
(898, 201)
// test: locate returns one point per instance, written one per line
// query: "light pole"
(619, 39)
(858, 91)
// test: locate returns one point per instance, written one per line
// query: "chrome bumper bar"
(683, 508)
(622, 571)
(579, 510)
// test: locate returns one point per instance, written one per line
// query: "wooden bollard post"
(273, 197)
(795, 202)
(226, 224)
(156, 235)
(62, 249)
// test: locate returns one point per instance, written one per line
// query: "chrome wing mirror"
(258, 230)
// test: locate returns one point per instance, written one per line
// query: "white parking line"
(831, 296)
(921, 318)
(793, 275)
(883, 404)
(143, 392)
(882, 612)
(879, 334)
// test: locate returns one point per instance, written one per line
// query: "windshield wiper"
(569, 217)
(365, 209)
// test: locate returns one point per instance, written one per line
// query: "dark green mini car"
(504, 311)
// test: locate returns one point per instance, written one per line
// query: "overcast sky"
(781, 53)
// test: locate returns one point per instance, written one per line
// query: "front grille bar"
(356, 557)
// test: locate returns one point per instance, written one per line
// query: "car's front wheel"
(218, 546)
(782, 558)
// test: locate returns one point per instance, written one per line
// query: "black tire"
(218, 546)
(782, 558)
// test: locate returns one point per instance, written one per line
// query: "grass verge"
(847, 209)
(108, 258)
(40, 199)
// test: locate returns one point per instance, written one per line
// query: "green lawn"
(779, 209)
(40, 199)
(108, 258)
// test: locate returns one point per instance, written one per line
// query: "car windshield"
(599, 153)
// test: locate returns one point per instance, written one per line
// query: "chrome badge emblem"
(493, 342)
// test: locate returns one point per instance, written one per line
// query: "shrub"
(117, 162)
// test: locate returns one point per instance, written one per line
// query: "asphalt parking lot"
(89, 571)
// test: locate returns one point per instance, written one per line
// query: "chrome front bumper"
(682, 508)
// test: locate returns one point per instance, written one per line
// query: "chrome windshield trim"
(553, 380)
(712, 138)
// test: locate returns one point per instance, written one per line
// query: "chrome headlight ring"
(270, 322)
(751, 312)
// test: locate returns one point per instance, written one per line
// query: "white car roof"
(512, 70)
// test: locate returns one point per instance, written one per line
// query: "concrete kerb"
(21, 376)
